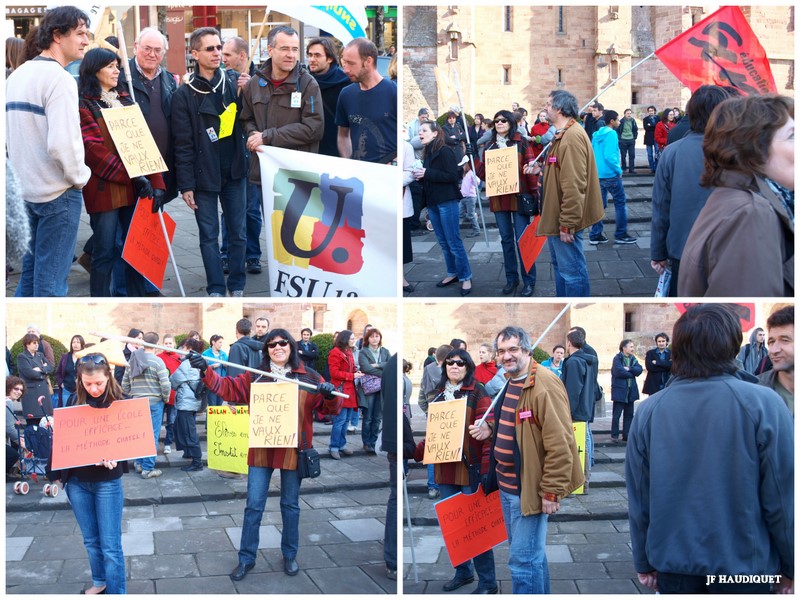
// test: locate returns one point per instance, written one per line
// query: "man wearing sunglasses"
(211, 160)
(533, 461)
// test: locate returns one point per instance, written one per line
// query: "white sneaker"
(151, 474)
(167, 449)
(350, 429)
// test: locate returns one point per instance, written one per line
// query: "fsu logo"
(317, 221)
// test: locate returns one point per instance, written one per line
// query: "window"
(560, 77)
(560, 25)
(506, 74)
(628, 321)
(634, 97)
(319, 318)
(508, 18)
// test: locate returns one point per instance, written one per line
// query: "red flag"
(720, 50)
(745, 311)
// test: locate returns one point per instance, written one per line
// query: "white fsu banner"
(331, 225)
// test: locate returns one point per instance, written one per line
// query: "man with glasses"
(282, 104)
(211, 160)
(533, 461)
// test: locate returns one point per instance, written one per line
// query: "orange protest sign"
(471, 524)
(530, 244)
(83, 435)
(145, 247)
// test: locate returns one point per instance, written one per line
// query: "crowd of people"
(571, 172)
(501, 453)
(207, 127)
(179, 380)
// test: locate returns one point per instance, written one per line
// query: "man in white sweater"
(45, 149)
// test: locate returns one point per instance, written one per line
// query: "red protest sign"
(145, 247)
(530, 244)
(720, 50)
(83, 435)
(745, 311)
(471, 524)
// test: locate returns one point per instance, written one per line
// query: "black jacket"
(649, 123)
(389, 399)
(454, 137)
(658, 371)
(579, 374)
(331, 85)
(197, 158)
(440, 183)
(634, 129)
(245, 351)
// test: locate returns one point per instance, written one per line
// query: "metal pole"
(138, 342)
(410, 529)
(615, 81)
(124, 52)
(171, 255)
(538, 341)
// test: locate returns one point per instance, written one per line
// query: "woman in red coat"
(666, 123)
(110, 195)
(344, 372)
(487, 367)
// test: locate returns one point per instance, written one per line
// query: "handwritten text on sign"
(471, 524)
(135, 144)
(444, 436)
(145, 248)
(273, 415)
(502, 171)
(83, 435)
(228, 431)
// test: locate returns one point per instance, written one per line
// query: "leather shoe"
(466, 292)
(445, 283)
(509, 289)
(494, 590)
(456, 583)
(240, 571)
(290, 566)
(527, 291)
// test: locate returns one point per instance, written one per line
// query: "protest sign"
(83, 435)
(145, 248)
(444, 435)
(471, 524)
(228, 430)
(135, 144)
(530, 244)
(330, 230)
(502, 171)
(274, 420)
(579, 431)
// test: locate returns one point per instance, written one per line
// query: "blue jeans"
(172, 413)
(651, 157)
(569, 266)
(253, 221)
(54, 233)
(373, 416)
(257, 489)
(106, 253)
(527, 537)
(339, 429)
(431, 480)
(233, 201)
(444, 217)
(466, 210)
(354, 418)
(156, 415)
(390, 529)
(589, 448)
(98, 510)
(613, 186)
(484, 563)
(511, 226)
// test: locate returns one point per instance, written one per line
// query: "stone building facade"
(519, 53)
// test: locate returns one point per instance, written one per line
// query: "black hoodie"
(245, 351)
(579, 375)
(331, 84)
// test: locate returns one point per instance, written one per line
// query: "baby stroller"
(34, 455)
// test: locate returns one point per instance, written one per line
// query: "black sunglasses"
(450, 362)
(212, 48)
(501, 120)
(95, 359)
(281, 343)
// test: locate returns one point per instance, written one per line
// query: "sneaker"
(346, 451)
(237, 294)
(350, 429)
(624, 239)
(215, 295)
(391, 574)
(598, 239)
(433, 493)
(429, 226)
(151, 474)
(167, 449)
(254, 266)
(473, 234)
(137, 467)
(335, 455)
(225, 266)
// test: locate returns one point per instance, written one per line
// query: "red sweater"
(485, 371)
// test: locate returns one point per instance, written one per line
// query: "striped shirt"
(507, 438)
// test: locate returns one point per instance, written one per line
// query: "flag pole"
(615, 81)
(536, 343)
(410, 528)
(171, 255)
(471, 159)
(138, 342)
(124, 53)
(257, 44)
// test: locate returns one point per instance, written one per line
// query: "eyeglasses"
(149, 50)
(451, 362)
(281, 343)
(511, 350)
(95, 359)
(17, 389)
(500, 120)
(212, 48)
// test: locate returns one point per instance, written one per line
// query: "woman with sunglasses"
(440, 175)
(458, 381)
(66, 371)
(343, 369)
(510, 223)
(111, 195)
(279, 356)
(95, 491)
